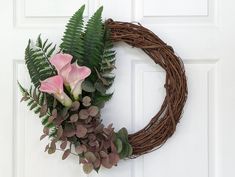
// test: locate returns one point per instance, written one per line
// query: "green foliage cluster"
(72, 41)
(91, 46)
(121, 142)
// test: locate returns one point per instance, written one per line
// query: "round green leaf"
(88, 86)
(118, 144)
(125, 151)
(100, 87)
(123, 134)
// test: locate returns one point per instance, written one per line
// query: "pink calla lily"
(73, 75)
(54, 86)
(75, 78)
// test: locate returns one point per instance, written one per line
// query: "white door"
(202, 32)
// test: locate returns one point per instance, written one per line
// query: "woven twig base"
(163, 124)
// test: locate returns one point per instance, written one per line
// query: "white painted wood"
(175, 8)
(189, 148)
(201, 32)
(45, 8)
(114, 10)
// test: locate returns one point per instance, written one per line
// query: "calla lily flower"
(75, 77)
(54, 86)
(62, 62)
(72, 74)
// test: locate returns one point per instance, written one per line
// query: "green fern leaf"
(108, 60)
(93, 41)
(72, 42)
(105, 75)
(45, 47)
(37, 61)
(92, 48)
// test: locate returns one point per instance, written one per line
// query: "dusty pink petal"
(60, 60)
(64, 72)
(78, 73)
(47, 87)
(75, 78)
(52, 85)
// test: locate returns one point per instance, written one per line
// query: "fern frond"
(37, 61)
(22, 89)
(108, 59)
(46, 48)
(72, 42)
(93, 41)
(105, 75)
(91, 48)
(35, 101)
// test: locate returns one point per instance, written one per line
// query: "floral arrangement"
(70, 85)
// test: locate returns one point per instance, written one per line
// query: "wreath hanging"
(71, 86)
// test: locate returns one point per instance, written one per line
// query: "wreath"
(71, 85)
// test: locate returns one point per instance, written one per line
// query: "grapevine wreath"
(70, 86)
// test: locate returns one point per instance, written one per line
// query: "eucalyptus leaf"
(87, 168)
(118, 144)
(88, 86)
(51, 150)
(86, 101)
(90, 156)
(73, 118)
(43, 136)
(100, 87)
(93, 111)
(123, 134)
(125, 151)
(130, 150)
(75, 106)
(63, 145)
(66, 154)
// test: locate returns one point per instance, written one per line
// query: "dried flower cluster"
(80, 127)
